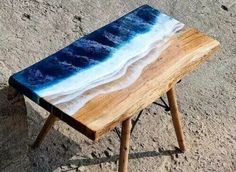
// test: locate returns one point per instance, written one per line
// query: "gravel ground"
(32, 29)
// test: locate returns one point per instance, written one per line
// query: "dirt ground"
(32, 29)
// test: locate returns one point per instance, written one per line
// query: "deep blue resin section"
(84, 53)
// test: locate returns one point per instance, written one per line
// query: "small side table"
(105, 77)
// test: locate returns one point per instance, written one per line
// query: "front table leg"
(47, 126)
(171, 95)
(124, 145)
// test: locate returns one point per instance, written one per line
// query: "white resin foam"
(70, 91)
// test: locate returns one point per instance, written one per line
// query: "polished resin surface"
(107, 60)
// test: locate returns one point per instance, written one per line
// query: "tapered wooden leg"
(171, 95)
(124, 145)
(47, 126)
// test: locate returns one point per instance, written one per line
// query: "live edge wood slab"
(107, 76)
(185, 52)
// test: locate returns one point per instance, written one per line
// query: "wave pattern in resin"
(109, 59)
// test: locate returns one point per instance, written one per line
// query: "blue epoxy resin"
(109, 59)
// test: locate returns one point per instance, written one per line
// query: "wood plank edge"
(215, 45)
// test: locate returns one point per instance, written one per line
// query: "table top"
(106, 76)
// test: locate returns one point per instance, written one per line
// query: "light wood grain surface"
(186, 51)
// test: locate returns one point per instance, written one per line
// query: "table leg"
(47, 126)
(124, 145)
(171, 95)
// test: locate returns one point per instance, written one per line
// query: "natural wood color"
(124, 145)
(171, 95)
(185, 53)
(44, 131)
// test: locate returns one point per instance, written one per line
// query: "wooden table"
(105, 77)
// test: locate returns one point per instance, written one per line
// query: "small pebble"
(81, 169)
(224, 7)
(95, 155)
(73, 166)
(25, 17)
(64, 167)
(161, 149)
(108, 153)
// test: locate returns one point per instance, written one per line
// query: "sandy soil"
(32, 29)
